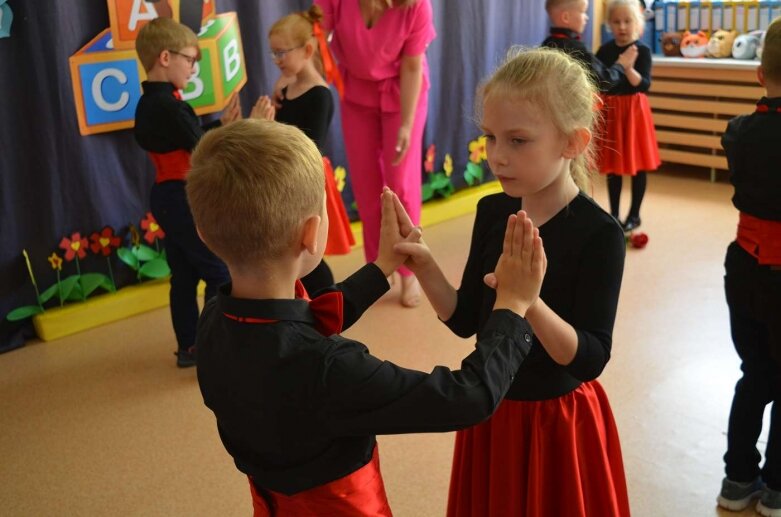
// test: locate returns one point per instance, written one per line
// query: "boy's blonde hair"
(252, 185)
(559, 86)
(555, 5)
(771, 52)
(163, 34)
(635, 9)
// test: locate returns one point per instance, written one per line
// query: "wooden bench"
(692, 100)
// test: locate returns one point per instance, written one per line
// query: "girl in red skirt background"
(628, 146)
(552, 447)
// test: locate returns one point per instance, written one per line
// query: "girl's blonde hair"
(560, 86)
(634, 8)
(299, 27)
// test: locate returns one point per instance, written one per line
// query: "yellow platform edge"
(136, 299)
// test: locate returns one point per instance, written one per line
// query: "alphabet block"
(107, 81)
(128, 16)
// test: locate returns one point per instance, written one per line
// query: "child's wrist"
(387, 266)
(519, 307)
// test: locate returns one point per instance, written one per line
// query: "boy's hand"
(391, 235)
(521, 267)
(232, 111)
(628, 57)
(263, 109)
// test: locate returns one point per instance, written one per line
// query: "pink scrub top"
(370, 59)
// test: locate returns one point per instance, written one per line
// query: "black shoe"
(631, 223)
(186, 358)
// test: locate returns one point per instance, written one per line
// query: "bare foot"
(410, 291)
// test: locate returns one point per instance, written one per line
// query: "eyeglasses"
(279, 55)
(190, 59)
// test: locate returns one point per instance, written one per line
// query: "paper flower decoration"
(340, 174)
(448, 165)
(56, 261)
(638, 240)
(104, 242)
(75, 247)
(153, 230)
(428, 165)
(477, 150)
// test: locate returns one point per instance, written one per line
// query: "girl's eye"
(518, 141)
(490, 138)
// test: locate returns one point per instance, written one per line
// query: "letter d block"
(221, 70)
(106, 85)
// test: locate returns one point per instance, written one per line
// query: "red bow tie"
(177, 95)
(328, 309)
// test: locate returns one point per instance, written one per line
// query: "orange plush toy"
(694, 45)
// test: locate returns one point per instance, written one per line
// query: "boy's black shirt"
(568, 40)
(297, 409)
(751, 143)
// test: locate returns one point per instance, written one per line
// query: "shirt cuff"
(505, 321)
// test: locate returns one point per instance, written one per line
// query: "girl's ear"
(577, 143)
(309, 50)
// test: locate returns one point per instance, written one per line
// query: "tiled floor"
(102, 423)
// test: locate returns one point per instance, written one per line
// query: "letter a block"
(128, 16)
(107, 81)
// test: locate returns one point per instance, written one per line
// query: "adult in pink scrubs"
(380, 46)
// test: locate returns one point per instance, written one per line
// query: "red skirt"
(360, 494)
(535, 459)
(340, 236)
(627, 139)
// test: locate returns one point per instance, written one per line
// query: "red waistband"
(171, 166)
(355, 495)
(761, 238)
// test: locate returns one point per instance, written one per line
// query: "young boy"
(568, 20)
(168, 129)
(297, 405)
(753, 289)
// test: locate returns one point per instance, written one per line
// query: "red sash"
(171, 166)
(359, 494)
(761, 238)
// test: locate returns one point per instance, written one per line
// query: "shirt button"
(527, 338)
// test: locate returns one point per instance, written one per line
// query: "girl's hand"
(263, 109)
(628, 57)
(402, 144)
(521, 266)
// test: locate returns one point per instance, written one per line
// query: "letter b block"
(107, 81)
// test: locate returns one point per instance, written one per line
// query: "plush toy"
(671, 43)
(694, 45)
(720, 44)
(745, 46)
(761, 44)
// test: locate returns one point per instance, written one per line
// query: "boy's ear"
(164, 58)
(577, 143)
(761, 76)
(309, 233)
(563, 17)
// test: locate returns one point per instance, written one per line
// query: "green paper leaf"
(439, 181)
(68, 285)
(157, 268)
(473, 173)
(144, 253)
(48, 294)
(127, 256)
(21, 313)
(447, 191)
(108, 285)
(91, 281)
(75, 294)
(426, 192)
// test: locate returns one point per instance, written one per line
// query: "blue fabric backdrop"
(54, 181)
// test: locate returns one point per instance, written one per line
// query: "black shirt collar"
(560, 31)
(153, 87)
(772, 103)
(278, 310)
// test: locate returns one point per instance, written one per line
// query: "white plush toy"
(745, 45)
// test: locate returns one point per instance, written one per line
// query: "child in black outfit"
(168, 129)
(297, 405)
(753, 289)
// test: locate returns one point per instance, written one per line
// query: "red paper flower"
(76, 245)
(104, 241)
(638, 240)
(153, 230)
(428, 166)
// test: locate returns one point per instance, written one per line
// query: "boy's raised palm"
(521, 267)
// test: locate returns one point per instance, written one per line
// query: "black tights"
(614, 182)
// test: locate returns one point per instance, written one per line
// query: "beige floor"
(102, 423)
